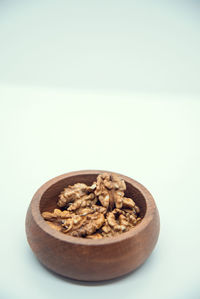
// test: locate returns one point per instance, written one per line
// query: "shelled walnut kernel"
(96, 211)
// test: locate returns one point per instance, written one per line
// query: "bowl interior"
(50, 196)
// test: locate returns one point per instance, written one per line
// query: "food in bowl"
(96, 211)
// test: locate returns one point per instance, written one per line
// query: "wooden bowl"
(86, 259)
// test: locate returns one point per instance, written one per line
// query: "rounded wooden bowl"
(86, 259)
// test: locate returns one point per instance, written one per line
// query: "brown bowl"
(86, 259)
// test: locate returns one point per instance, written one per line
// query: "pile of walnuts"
(96, 211)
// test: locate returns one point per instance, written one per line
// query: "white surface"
(154, 139)
(128, 45)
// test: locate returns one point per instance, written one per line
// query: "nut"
(96, 211)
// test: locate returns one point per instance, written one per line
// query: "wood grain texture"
(85, 259)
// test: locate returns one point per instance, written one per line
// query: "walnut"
(71, 193)
(106, 228)
(96, 221)
(113, 223)
(72, 224)
(92, 187)
(84, 211)
(129, 211)
(123, 220)
(94, 236)
(128, 202)
(118, 211)
(57, 214)
(137, 209)
(84, 201)
(67, 225)
(96, 211)
(132, 219)
(99, 209)
(109, 190)
(48, 215)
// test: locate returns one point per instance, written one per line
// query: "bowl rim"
(36, 214)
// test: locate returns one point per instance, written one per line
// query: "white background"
(101, 85)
